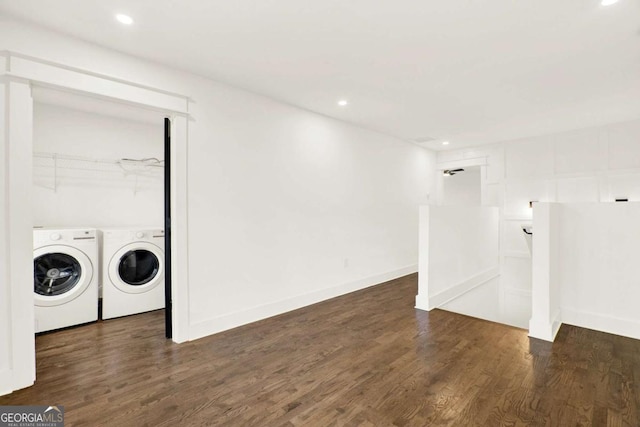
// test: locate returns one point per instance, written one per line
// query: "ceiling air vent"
(423, 140)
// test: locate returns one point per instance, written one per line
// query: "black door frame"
(168, 321)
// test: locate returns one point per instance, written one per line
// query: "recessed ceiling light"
(124, 19)
(445, 142)
(343, 103)
(608, 2)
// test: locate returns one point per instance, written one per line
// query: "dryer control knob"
(55, 236)
(139, 234)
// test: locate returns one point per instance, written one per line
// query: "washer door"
(137, 267)
(60, 274)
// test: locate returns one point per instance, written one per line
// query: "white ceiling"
(467, 71)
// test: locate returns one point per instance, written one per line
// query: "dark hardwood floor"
(364, 359)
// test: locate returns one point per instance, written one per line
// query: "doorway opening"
(462, 186)
(101, 189)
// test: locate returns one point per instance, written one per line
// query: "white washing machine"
(65, 277)
(132, 271)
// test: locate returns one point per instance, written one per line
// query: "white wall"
(302, 203)
(482, 302)
(462, 189)
(79, 193)
(598, 266)
(458, 252)
(586, 165)
(286, 207)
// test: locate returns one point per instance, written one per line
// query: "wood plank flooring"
(364, 359)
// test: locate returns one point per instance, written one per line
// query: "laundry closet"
(98, 209)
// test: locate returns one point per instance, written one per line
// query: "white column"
(17, 343)
(422, 299)
(545, 317)
(180, 231)
(5, 329)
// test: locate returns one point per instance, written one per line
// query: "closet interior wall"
(79, 178)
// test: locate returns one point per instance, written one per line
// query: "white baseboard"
(544, 329)
(428, 303)
(233, 320)
(604, 323)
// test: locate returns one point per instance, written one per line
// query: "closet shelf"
(146, 162)
(54, 166)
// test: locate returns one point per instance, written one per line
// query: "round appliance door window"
(137, 267)
(60, 274)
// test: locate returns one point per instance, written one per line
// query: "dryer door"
(60, 274)
(137, 267)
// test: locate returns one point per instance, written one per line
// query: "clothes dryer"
(132, 271)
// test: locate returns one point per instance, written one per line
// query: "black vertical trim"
(167, 229)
